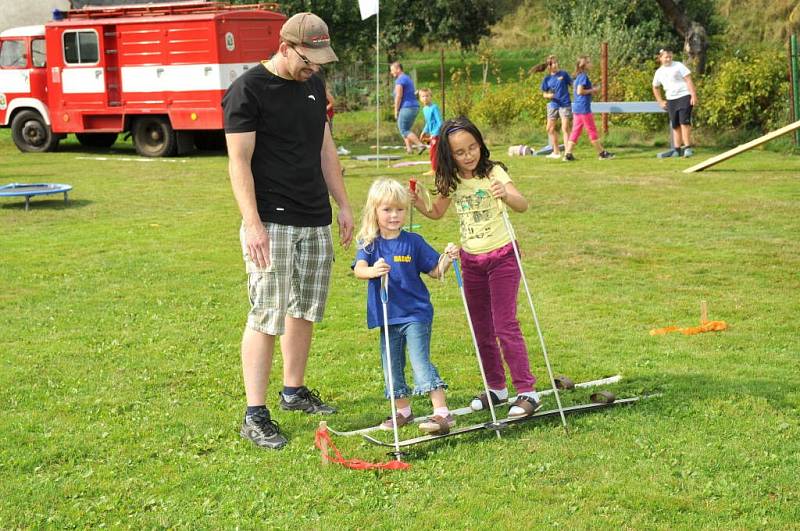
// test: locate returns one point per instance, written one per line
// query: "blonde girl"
(384, 248)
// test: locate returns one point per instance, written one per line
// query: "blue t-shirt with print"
(583, 103)
(558, 83)
(409, 98)
(408, 255)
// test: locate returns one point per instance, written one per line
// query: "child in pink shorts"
(582, 112)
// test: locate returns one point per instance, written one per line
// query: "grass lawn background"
(120, 380)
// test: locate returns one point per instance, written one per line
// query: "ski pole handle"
(385, 288)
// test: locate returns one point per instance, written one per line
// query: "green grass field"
(120, 383)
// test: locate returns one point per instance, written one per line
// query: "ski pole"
(384, 303)
(501, 205)
(460, 283)
(412, 183)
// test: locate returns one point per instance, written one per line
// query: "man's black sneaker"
(306, 400)
(263, 431)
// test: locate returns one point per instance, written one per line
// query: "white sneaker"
(342, 151)
(554, 155)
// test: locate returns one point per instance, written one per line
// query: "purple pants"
(491, 282)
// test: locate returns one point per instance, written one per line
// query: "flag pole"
(377, 85)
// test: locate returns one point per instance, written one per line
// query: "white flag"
(368, 8)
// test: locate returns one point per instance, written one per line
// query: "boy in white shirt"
(681, 97)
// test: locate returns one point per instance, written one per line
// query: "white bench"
(633, 107)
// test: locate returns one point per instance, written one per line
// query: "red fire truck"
(156, 71)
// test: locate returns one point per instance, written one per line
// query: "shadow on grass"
(28, 178)
(358, 413)
(128, 150)
(511, 432)
(47, 204)
(116, 149)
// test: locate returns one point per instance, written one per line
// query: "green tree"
(418, 22)
(403, 23)
(695, 36)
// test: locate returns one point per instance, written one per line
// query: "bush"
(745, 92)
(628, 83)
(507, 103)
(459, 97)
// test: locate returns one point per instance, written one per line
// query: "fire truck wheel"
(97, 140)
(153, 136)
(32, 134)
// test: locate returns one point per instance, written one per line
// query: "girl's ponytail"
(550, 61)
(580, 66)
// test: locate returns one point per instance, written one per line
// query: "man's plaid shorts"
(297, 280)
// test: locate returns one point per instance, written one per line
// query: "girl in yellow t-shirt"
(467, 178)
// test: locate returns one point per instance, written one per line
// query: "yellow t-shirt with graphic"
(482, 226)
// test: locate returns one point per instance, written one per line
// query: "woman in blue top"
(384, 248)
(406, 107)
(582, 109)
(555, 87)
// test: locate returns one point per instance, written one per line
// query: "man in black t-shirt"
(283, 165)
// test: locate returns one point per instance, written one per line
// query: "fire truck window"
(12, 54)
(38, 53)
(81, 47)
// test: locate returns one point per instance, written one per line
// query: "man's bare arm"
(240, 155)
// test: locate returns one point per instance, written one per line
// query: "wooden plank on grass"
(744, 147)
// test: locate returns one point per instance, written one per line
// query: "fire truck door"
(83, 78)
(39, 71)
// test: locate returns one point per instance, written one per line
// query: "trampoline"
(29, 190)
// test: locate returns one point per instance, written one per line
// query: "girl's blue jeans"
(414, 338)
